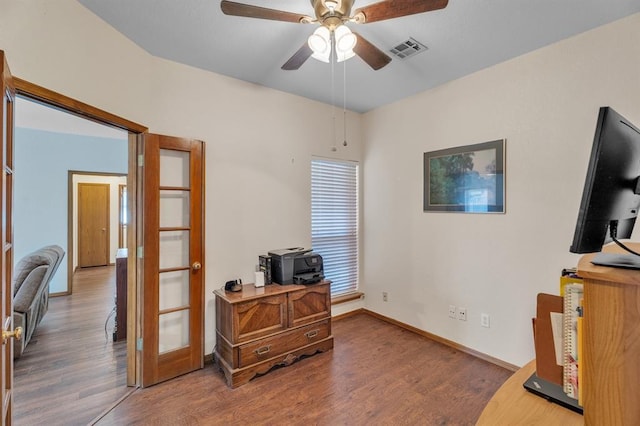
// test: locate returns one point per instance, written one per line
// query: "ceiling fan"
(331, 15)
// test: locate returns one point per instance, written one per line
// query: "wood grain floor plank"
(71, 371)
(377, 374)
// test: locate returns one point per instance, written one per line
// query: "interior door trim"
(71, 247)
(7, 104)
(48, 97)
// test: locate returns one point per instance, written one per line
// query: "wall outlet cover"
(484, 320)
(462, 314)
(452, 311)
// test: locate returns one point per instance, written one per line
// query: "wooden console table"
(261, 327)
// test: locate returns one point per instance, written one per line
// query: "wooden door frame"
(71, 247)
(7, 118)
(121, 224)
(56, 100)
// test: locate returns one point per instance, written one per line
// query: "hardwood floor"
(377, 374)
(71, 371)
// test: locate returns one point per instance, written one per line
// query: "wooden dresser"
(261, 327)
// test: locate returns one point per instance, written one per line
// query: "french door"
(172, 257)
(170, 215)
(6, 237)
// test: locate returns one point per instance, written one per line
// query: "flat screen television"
(611, 195)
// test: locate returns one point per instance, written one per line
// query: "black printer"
(296, 265)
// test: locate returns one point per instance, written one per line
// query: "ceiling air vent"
(410, 47)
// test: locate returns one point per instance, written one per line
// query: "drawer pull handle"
(311, 334)
(263, 350)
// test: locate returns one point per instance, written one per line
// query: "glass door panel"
(174, 209)
(174, 168)
(174, 289)
(174, 249)
(174, 333)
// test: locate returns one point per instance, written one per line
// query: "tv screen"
(610, 198)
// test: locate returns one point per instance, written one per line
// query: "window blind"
(334, 221)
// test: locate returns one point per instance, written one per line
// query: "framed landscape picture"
(467, 179)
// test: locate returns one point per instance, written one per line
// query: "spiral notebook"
(573, 294)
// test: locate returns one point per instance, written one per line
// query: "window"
(334, 221)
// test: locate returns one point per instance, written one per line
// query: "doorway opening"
(27, 91)
(96, 217)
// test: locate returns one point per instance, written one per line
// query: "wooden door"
(93, 224)
(172, 257)
(6, 237)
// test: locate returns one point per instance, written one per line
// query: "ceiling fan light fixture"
(345, 39)
(324, 57)
(343, 56)
(320, 40)
(333, 14)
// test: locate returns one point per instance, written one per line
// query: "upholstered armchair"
(31, 277)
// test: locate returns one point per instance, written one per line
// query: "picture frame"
(467, 179)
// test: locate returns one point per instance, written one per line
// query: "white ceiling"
(33, 115)
(466, 36)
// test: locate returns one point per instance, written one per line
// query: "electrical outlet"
(452, 311)
(484, 320)
(385, 296)
(462, 314)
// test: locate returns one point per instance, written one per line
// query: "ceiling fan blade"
(373, 56)
(298, 58)
(249, 11)
(396, 8)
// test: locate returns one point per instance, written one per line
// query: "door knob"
(16, 334)
(196, 266)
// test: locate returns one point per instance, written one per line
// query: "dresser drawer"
(259, 317)
(282, 343)
(309, 305)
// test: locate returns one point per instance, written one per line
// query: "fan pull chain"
(333, 90)
(344, 101)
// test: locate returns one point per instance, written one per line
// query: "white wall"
(114, 183)
(259, 141)
(545, 104)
